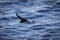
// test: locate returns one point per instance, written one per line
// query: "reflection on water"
(43, 15)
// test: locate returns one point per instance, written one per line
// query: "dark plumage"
(22, 19)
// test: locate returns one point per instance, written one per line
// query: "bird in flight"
(23, 20)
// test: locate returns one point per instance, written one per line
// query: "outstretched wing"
(18, 16)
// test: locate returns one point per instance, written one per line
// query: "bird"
(23, 20)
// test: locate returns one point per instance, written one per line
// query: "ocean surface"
(44, 17)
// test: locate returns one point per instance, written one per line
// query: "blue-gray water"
(44, 16)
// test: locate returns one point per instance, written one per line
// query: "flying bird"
(23, 20)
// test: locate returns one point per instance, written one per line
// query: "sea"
(43, 15)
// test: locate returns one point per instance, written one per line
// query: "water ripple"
(43, 15)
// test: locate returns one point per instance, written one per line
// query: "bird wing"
(18, 16)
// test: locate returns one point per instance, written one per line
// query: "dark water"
(44, 16)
